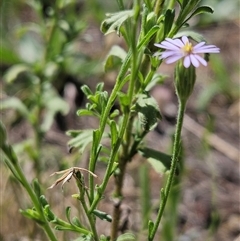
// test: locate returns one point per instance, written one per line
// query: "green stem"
(70, 227)
(120, 4)
(103, 122)
(158, 7)
(171, 4)
(91, 221)
(82, 192)
(112, 158)
(165, 192)
(133, 54)
(34, 199)
(127, 130)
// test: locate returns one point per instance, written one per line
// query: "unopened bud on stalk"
(184, 80)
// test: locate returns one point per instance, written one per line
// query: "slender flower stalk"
(176, 49)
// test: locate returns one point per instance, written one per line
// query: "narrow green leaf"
(114, 132)
(49, 214)
(43, 200)
(148, 36)
(168, 21)
(64, 228)
(84, 112)
(202, 9)
(32, 214)
(102, 215)
(100, 87)
(150, 227)
(3, 134)
(114, 114)
(67, 213)
(76, 222)
(86, 90)
(36, 188)
(199, 10)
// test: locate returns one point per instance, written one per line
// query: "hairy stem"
(165, 192)
(21, 177)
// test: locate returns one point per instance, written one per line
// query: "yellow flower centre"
(188, 48)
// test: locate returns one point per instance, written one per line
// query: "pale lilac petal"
(200, 59)
(194, 61)
(175, 49)
(186, 61)
(159, 45)
(199, 45)
(168, 45)
(206, 49)
(167, 54)
(173, 59)
(185, 40)
(176, 42)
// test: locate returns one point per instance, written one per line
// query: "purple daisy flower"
(176, 49)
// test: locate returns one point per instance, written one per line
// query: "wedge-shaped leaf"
(16, 104)
(81, 139)
(157, 165)
(156, 79)
(126, 237)
(13, 72)
(199, 10)
(195, 36)
(114, 58)
(159, 160)
(114, 21)
(148, 111)
(53, 104)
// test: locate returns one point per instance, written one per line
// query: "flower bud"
(184, 80)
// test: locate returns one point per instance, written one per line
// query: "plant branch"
(165, 192)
